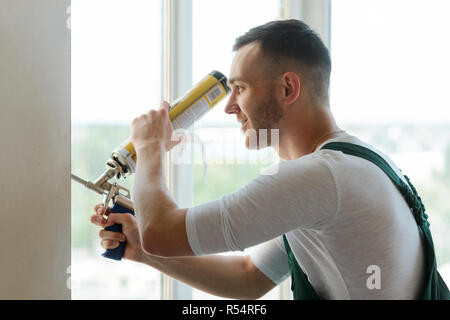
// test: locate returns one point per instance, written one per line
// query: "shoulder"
(340, 161)
(313, 165)
(310, 173)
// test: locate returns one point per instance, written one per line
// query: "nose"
(232, 107)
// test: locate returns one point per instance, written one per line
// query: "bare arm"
(161, 223)
(226, 276)
(233, 277)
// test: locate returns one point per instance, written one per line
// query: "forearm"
(225, 276)
(151, 196)
(160, 222)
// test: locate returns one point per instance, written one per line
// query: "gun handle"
(117, 253)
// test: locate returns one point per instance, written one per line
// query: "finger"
(164, 105)
(119, 218)
(99, 208)
(98, 220)
(111, 235)
(164, 109)
(101, 211)
(109, 244)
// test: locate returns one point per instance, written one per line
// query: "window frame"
(177, 78)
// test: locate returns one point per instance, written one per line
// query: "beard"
(265, 124)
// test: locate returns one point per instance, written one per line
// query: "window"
(389, 87)
(116, 75)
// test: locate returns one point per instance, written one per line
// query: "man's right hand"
(110, 239)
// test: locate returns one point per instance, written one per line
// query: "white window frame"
(315, 13)
(177, 79)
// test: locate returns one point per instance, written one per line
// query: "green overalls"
(435, 288)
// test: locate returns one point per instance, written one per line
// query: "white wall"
(35, 149)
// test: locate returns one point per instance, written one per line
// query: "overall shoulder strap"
(300, 285)
(435, 287)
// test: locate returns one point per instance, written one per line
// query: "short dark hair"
(295, 41)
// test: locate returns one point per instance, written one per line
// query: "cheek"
(246, 107)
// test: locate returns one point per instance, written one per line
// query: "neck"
(303, 133)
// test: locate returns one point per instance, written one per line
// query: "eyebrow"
(233, 80)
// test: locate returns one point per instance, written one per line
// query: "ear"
(291, 87)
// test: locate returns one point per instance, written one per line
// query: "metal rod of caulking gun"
(87, 184)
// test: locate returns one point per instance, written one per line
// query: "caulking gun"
(184, 111)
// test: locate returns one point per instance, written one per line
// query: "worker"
(334, 220)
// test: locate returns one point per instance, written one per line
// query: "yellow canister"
(183, 113)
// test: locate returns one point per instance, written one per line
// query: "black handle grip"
(117, 253)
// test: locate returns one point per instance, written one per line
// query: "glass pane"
(229, 164)
(389, 87)
(116, 75)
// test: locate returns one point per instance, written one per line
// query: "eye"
(239, 88)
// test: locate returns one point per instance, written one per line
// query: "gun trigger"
(108, 197)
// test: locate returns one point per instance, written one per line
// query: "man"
(341, 214)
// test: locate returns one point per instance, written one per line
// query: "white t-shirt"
(341, 214)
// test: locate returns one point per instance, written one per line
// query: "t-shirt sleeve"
(300, 194)
(271, 259)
